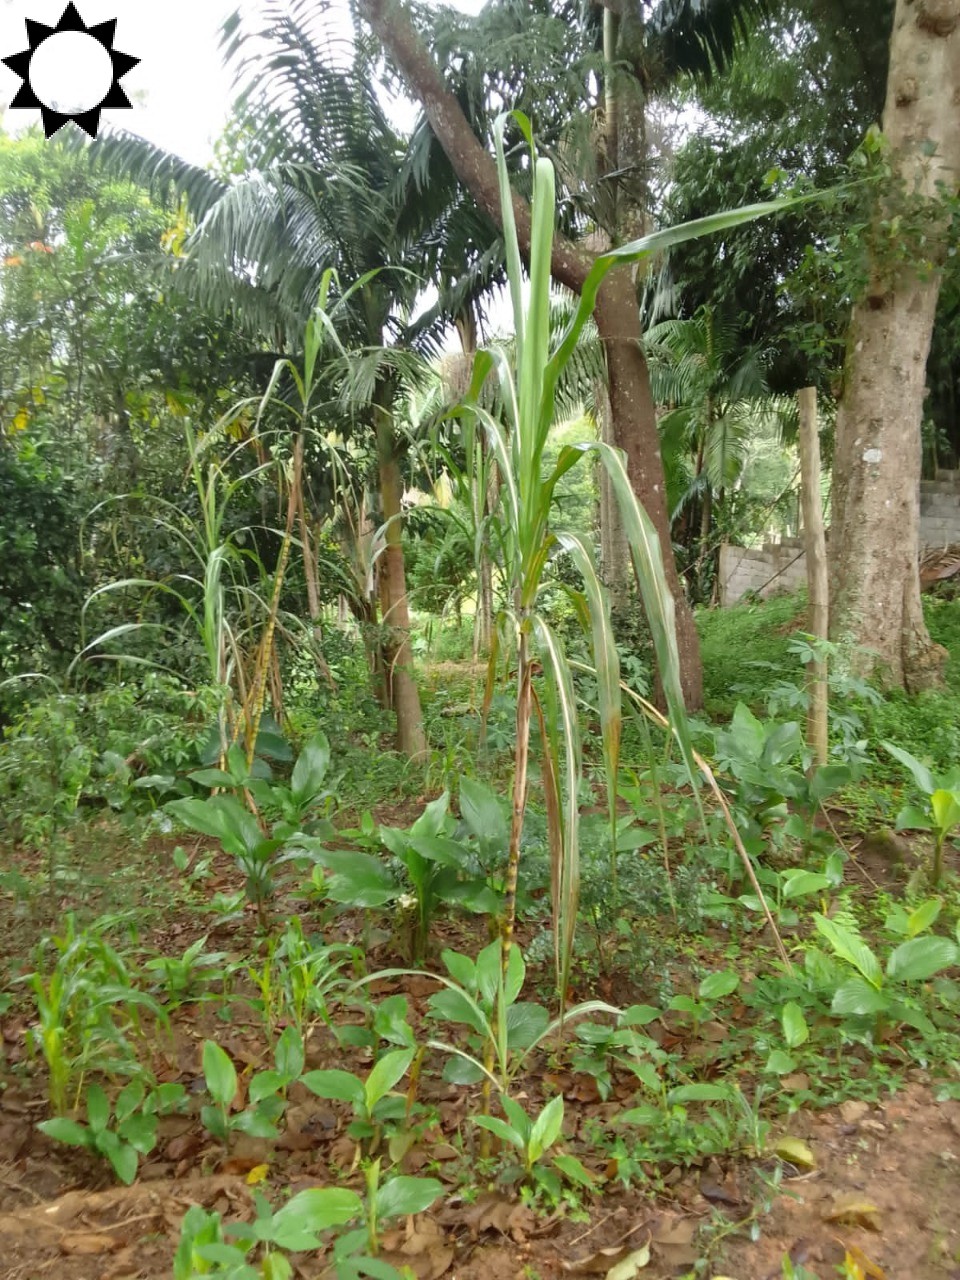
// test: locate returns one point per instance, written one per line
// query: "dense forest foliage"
(415, 859)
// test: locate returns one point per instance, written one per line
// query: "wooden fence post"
(815, 546)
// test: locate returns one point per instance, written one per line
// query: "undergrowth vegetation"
(370, 891)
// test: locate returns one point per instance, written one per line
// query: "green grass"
(745, 652)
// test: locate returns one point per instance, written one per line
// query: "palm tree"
(326, 184)
(681, 36)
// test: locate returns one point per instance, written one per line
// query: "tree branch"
(473, 165)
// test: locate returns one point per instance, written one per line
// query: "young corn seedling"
(87, 1008)
(309, 975)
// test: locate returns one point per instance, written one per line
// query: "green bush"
(746, 651)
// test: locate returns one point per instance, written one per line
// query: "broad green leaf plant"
(528, 540)
(942, 814)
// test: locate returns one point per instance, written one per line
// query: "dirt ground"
(883, 1192)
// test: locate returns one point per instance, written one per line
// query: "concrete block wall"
(766, 571)
(779, 567)
(940, 510)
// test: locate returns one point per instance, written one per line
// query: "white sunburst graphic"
(70, 72)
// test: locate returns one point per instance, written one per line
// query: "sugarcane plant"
(526, 380)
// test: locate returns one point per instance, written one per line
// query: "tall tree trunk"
(815, 546)
(875, 581)
(614, 547)
(483, 628)
(484, 505)
(617, 312)
(635, 432)
(309, 561)
(404, 694)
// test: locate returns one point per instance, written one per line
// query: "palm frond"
(168, 177)
(700, 37)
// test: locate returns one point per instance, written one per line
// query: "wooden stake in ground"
(815, 545)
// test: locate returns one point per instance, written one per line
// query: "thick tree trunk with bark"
(875, 583)
(617, 312)
(614, 548)
(483, 619)
(815, 546)
(401, 682)
(635, 432)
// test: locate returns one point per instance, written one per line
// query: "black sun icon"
(52, 111)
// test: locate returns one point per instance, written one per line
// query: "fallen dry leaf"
(673, 1240)
(631, 1265)
(431, 1265)
(88, 1242)
(599, 1263)
(426, 1250)
(183, 1146)
(795, 1152)
(795, 1083)
(675, 1231)
(493, 1212)
(855, 1210)
(236, 1166)
(857, 1258)
(718, 1193)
